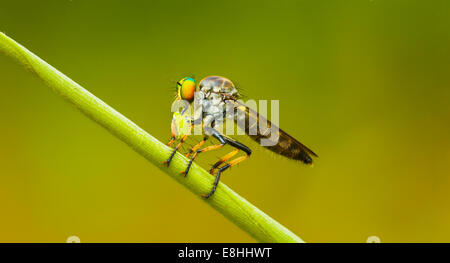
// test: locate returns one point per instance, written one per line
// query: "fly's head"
(186, 89)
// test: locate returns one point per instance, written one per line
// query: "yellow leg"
(223, 159)
(171, 141)
(175, 150)
(195, 148)
(238, 160)
(206, 149)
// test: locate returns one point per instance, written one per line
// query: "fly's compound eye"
(187, 89)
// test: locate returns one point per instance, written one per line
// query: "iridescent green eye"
(186, 89)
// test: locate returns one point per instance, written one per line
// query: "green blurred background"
(365, 84)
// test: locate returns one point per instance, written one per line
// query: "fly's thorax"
(215, 93)
(211, 104)
(219, 85)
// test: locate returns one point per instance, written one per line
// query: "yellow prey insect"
(213, 94)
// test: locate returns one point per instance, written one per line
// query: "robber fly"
(213, 93)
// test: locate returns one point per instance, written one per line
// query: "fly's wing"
(286, 145)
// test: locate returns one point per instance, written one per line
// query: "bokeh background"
(365, 84)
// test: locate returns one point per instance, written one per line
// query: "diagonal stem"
(238, 210)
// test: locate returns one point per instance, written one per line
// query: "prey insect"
(215, 94)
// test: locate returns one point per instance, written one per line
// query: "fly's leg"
(197, 151)
(198, 145)
(206, 149)
(172, 139)
(238, 146)
(222, 160)
(183, 139)
(221, 170)
(193, 150)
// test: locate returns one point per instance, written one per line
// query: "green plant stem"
(245, 215)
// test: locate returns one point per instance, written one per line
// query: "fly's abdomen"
(289, 147)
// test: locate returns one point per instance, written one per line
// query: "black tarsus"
(216, 181)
